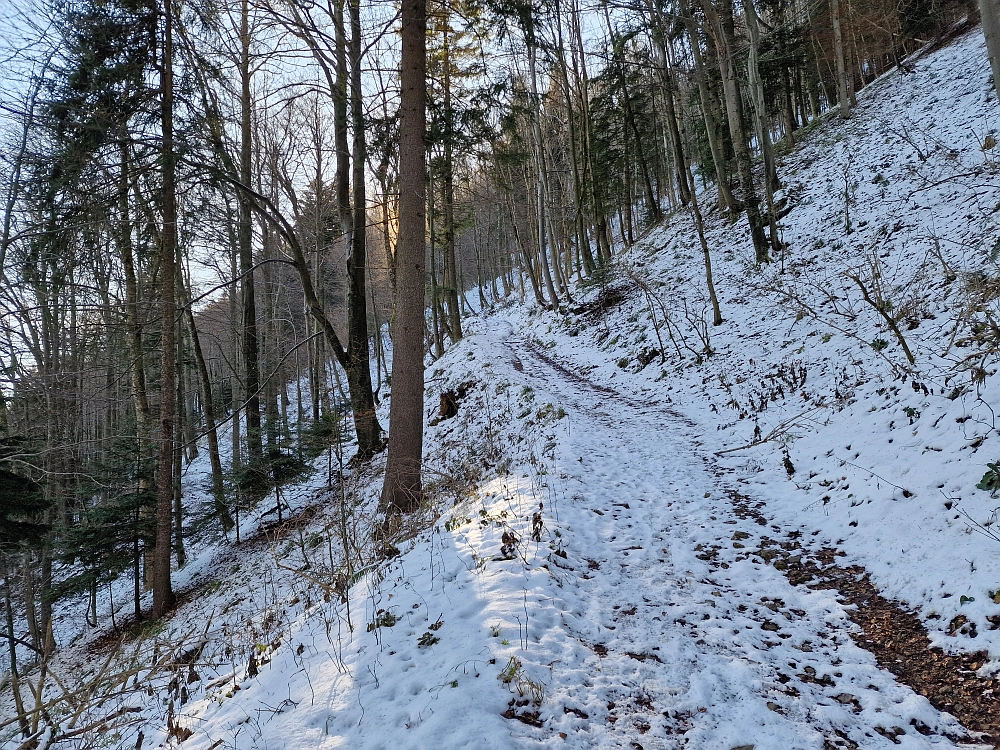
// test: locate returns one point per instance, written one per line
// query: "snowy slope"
(886, 454)
(581, 578)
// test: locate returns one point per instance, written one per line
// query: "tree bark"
(659, 45)
(989, 10)
(402, 490)
(726, 198)
(251, 341)
(541, 191)
(359, 375)
(450, 278)
(723, 32)
(15, 677)
(208, 409)
(163, 595)
(838, 43)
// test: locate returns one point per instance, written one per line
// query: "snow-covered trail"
(680, 636)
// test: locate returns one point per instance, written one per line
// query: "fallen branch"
(777, 432)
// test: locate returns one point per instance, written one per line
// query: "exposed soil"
(590, 385)
(891, 632)
(610, 297)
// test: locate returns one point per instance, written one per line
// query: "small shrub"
(383, 619)
(427, 640)
(991, 479)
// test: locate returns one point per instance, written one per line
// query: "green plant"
(427, 639)
(991, 479)
(383, 619)
(508, 673)
(456, 522)
(495, 631)
(147, 629)
(879, 344)
(526, 687)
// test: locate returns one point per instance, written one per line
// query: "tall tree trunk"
(402, 490)
(248, 295)
(575, 149)
(437, 323)
(600, 220)
(659, 45)
(541, 191)
(133, 322)
(654, 208)
(450, 278)
(180, 419)
(989, 10)
(771, 184)
(706, 256)
(838, 44)
(15, 676)
(163, 594)
(208, 410)
(235, 345)
(791, 124)
(723, 31)
(756, 84)
(726, 198)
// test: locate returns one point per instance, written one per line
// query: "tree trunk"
(15, 677)
(541, 191)
(659, 45)
(707, 256)
(402, 489)
(163, 595)
(450, 278)
(180, 419)
(771, 183)
(989, 10)
(437, 324)
(726, 198)
(354, 219)
(723, 31)
(251, 343)
(208, 410)
(586, 256)
(838, 44)
(133, 322)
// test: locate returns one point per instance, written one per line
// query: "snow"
(633, 610)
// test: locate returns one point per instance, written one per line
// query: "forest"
(310, 306)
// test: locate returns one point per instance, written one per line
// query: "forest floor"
(646, 531)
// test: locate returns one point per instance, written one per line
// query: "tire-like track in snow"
(678, 634)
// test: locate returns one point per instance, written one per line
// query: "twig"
(881, 478)
(778, 431)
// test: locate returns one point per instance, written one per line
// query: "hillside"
(647, 531)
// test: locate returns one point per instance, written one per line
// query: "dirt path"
(681, 635)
